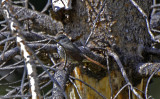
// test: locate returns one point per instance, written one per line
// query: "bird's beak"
(55, 38)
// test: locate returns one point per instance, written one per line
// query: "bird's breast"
(62, 52)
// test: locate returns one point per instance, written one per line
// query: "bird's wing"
(74, 52)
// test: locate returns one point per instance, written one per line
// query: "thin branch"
(7, 75)
(150, 50)
(146, 19)
(75, 87)
(46, 7)
(49, 92)
(15, 90)
(115, 56)
(129, 92)
(26, 3)
(108, 69)
(25, 50)
(155, 30)
(11, 83)
(1, 22)
(22, 66)
(9, 54)
(148, 81)
(12, 65)
(88, 86)
(50, 48)
(121, 90)
(146, 69)
(49, 82)
(5, 48)
(60, 77)
(32, 6)
(6, 40)
(94, 23)
(22, 81)
(154, 9)
(14, 96)
(155, 5)
(52, 59)
(57, 84)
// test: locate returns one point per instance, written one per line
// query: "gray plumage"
(73, 53)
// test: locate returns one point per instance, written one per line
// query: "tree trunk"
(112, 33)
(120, 26)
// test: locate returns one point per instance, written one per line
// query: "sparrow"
(66, 48)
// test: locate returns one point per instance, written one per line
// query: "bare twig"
(7, 75)
(49, 82)
(115, 56)
(46, 7)
(47, 24)
(23, 79)
(154, 9)
(21, 66)
(150, 50)
(61, 77)
(88, 86)
(11, 83)
(148, 81)
(75, 87)
(16, 63)
(108, 69)
(49, 92)
(5, 48)
(16, 29)
(146, 19)
(155, 30)
(129, 92)
(1, 22)
(15, 90)
(155, 5)
(8, 39)
(26, 3)
(50, 48)
(121, 90)
(3, 29)
(14, 96)
(52, 59)
(147, 69)
(94, 23)
(9, 54)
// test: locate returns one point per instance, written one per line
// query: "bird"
(66, 49)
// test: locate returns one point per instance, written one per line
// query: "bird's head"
(61, 38)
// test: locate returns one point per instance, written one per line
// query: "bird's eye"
(62, 37)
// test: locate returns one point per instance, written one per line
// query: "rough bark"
(120, 27)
